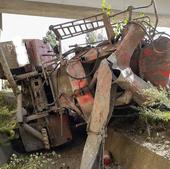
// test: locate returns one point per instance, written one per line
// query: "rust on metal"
(129, 43)
(56, 135)
(59, 92)
(154, 62)
(85, 100)
(99, 116)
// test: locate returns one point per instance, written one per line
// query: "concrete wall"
(5, 153)
(5, 150)
(132, 155)
(162, 5)
(77, 9)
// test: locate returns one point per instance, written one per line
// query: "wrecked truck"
(55, 88)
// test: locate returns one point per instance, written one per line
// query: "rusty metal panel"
(68, 102)
(59, 130)
(39, 94)
(10, 54)
(154, 62)
(129, 43)
(85, 100)
(39, 52)
(30, 142)
(134, 61)
(61, 82)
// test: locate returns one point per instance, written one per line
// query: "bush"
(157, 107)
(7, 116)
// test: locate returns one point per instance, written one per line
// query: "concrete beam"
(58, 10)
(45, 9)
(162, 5)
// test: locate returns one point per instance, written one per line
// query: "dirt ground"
(67, 156)
(70, 154)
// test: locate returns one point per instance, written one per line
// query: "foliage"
(119, 26)
(91, 37)
(33, 161)
(6, 85)
(106, 7)
(51, 39)
(155, 114)
(7, 120)
(141, 14)
(94, 36)
(157, 106)
(4, 101)
(157, 96)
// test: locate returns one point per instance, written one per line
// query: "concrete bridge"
(79, 8)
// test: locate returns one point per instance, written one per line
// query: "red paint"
(165, 65)
(78, 84)
(107, 158)
(166, 73)
(107, 162)
(148, 52)
(85, 98)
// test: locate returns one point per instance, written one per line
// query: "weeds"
(157, 107)
(7, 117)
(33, 161)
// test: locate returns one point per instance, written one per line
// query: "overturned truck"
(55, 88)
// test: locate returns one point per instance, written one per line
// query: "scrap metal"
(56, 92)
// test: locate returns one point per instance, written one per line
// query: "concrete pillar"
(5, 150)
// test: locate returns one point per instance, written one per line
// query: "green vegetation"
(51, 39)
(118, 27)
(33, 161)
(157, 107)
(155, 114)
(91, 37)
(157, 96)
(106, 7)
(7, 120)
